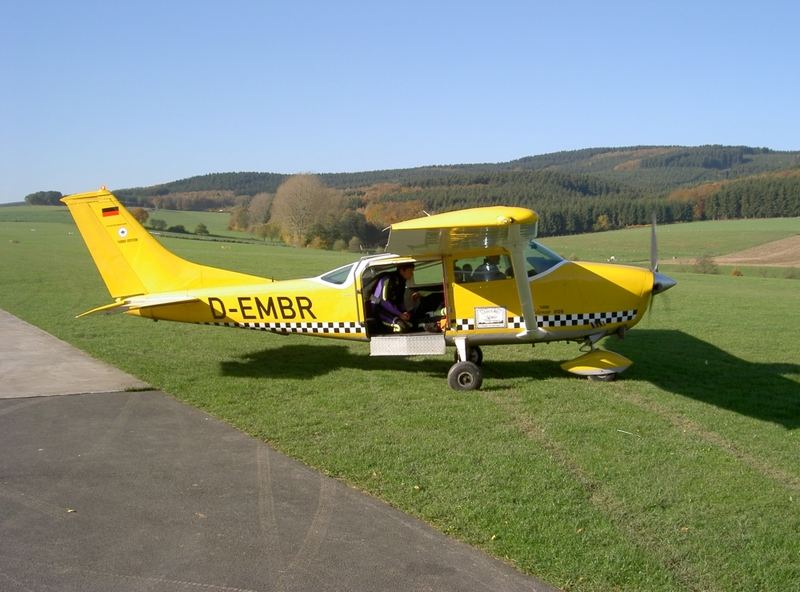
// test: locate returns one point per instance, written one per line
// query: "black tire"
(474, 355)
(464, 376)
(610, 377)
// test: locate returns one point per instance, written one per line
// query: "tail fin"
(131, 261)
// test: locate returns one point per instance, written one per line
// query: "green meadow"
(682, 475)
(216, 222)
(675, 241)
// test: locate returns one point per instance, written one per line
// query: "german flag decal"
(111, 211)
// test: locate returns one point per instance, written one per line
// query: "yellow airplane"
(482, 277)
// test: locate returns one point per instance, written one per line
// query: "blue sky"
(127, 94)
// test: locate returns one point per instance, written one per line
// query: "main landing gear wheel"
(474, 355)
(464, 376)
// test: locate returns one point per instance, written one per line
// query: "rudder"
(129, 259)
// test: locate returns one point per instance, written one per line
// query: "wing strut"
(515, 246)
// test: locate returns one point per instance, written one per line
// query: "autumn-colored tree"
(378, 190)
(317, 243)
(382, 214)
(140, 214)
(239, 219)
(354, 245)
(259, 207)
(267, 231)
(602, 223)
(195, 200)
(302, 202)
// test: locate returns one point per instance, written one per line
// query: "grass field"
(684, 475)
(679, 241)
(216, 222)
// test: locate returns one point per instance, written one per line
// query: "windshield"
(539, 258)
(337, 276)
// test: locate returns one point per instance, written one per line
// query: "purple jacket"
(389, 297)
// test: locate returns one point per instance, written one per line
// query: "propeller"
(661, 282)
(653, 246)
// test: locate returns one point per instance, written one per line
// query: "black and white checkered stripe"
(326, 328)
(589, 318)
(560, 320)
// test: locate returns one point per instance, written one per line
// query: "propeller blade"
(661, 282)
(653, 246)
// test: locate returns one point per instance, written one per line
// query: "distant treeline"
(567, 204)
(573, 204)
(573, 191)
(199, 201)
(764, 197)
(233, 183)
(44, 198)
(705, 157)
(656, 169)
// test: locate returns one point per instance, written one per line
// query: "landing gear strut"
(474, 355)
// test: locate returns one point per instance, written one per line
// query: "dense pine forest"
(573, 191)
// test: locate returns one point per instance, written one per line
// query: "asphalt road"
(137, 491)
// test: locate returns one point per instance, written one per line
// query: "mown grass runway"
(683, 475)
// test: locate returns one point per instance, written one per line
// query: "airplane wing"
(136, 302)
(503, 227)
(475, 228)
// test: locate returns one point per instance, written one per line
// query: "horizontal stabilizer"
(137, 302)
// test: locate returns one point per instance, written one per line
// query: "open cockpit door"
(424, 298)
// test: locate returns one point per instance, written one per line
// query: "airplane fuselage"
(573, 300)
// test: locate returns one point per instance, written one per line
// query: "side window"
(483, 269)
(338, 276)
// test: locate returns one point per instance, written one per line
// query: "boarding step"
(414, 344)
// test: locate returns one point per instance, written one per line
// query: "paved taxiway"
(137, 491)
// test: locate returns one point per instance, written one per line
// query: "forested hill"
(654, 170)
(573, 191)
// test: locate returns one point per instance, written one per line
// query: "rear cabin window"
(337, 276)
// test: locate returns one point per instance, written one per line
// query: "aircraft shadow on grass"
(304, 361)
(685, 365)
(671, 360)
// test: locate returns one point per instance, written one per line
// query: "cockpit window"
(539, 258)
(337, 276)
(483, 269)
